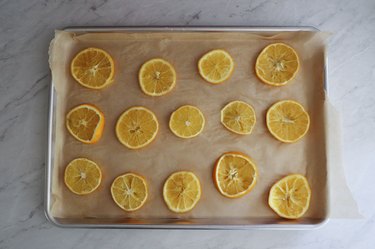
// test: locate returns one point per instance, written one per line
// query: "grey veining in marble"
(28, 26)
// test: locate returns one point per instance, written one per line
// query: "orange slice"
(181, 191)
(216, 66)
(129, 191)
(238, 117)
(93, 68)
(290, 196)
(277, 64)
(287, 121)
(157, 77)
(137, 127)
(235, 174)
(187, 121)
(82, 176)
(85, 123)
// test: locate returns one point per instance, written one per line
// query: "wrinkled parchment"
(169, 153)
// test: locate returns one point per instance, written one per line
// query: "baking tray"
(172, 223)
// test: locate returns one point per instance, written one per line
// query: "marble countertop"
(27, 26)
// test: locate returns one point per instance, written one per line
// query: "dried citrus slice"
(181, 191)
(137, 127)
(157, 77)
(238, 117)
(277, 64)
(235, 174)
(187, 121)
(129, 191)
(216, 66)
(287, 121)
(85, 123)
(290, 196)
(93, 68)
(82, 176)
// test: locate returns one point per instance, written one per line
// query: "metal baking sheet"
(170, 223)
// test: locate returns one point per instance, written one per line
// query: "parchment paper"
(169, 153)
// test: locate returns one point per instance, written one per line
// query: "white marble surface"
(27, 27)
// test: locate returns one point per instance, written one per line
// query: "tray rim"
(49, 154)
